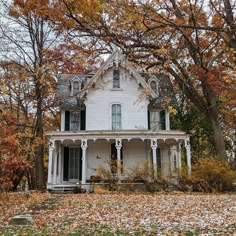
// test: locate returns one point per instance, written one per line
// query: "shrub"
(208, 175)
(107, 176)
(143, 172)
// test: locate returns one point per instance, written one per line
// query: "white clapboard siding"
(100, 99)
(165, 160)
(98, 154)
(134, 152)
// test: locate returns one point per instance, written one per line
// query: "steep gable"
(69, 97)
(117, 60)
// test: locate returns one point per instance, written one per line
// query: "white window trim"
(110, 112)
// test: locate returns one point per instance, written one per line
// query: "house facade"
(115, 114)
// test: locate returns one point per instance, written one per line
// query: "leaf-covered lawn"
(120, 214)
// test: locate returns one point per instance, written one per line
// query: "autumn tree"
(29, 42)
(192, 41)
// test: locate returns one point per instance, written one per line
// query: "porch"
(87, 150)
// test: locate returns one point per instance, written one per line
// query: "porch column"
(154, 156)
(173, 158)
(84, 168)
(188, 154)
(59, 163)
(55, 165)
(118, 148)
(50, 156)
(179, 156)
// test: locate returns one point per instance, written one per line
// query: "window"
(116, 117)
(154, 86)
(163, 120)
(154, 120)
(76, 86)
(116, 79)
(74, 163)
(75, 120)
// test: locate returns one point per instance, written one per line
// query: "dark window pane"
(116, 79)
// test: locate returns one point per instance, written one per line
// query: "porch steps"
(61, 188)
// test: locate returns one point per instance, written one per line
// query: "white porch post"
(60, 163)
(84, 168)
(173, 158)
(55, 165)
(188, 154)
(179, 156)
(118, 148)
(154, 156)
(50, 156)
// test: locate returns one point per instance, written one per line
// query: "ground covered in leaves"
(120, 214)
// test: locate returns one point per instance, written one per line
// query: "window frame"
(114, 125)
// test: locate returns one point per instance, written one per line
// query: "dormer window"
(154, 85)
(116, 78)
(76, 86)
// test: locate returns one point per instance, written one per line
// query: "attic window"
(75, 87)
(116, 78)
(154, 87)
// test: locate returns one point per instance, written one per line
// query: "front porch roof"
(122, 134)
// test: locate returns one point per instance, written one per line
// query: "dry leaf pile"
(126, 214)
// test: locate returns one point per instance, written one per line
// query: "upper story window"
(154, 85)
(157, 120)
(76, 85)
(116, 117)
(116, 78)
(75, 120)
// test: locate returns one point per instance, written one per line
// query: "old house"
(114, 114)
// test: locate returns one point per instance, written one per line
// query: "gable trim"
(117, 59)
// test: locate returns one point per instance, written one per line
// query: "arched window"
(116, 116)
(154, 86)
(116, 78)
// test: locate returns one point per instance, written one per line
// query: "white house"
(114, 114)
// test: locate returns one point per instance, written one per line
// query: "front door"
(72, 164)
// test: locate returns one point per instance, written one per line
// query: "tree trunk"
(217, 134)
(39, 153)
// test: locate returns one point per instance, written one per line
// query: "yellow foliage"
(172, 110)
(101, 190)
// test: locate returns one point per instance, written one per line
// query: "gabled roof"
(65, 99)
(117, 59)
